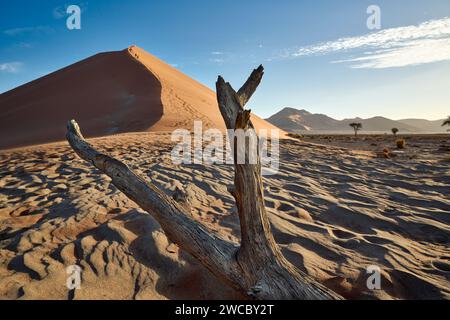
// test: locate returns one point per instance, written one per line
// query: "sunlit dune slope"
(108, 93)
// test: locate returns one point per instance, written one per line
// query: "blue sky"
(318, 55)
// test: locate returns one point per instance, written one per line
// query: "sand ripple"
(333, 212)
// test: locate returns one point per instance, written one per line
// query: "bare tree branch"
(249, 87)
(264, 266)
(257, 268)
(216, 254)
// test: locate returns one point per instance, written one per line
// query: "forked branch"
(267, 272)
(256, 268)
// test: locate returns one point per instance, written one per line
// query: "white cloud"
(24, 45)
(395, 47)
(59, 12)
(10, 67)
(219, 57)
(416, 53)
(18, 31)
(217, 60)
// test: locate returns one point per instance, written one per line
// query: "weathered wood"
(256, 268)
(214, 253)
(249, 87)
(267, 272)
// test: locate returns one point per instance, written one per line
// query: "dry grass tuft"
(401, 143)
(295, 135)
(386, 154)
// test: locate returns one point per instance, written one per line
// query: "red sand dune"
(108, 93)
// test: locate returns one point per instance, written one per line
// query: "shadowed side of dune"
(186, 100)
(107, 93)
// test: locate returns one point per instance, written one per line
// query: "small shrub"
(401, 143)
(386, 154)
(295, 135)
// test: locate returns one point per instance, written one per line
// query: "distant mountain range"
(294, 120)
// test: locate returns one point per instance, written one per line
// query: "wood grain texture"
(256, 268)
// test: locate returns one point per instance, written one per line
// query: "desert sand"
(108, 93)
(337, 205)
(334, 211)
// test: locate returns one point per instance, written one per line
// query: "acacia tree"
(356, 126)
(394, 131)
(256, 267)
(446, 122)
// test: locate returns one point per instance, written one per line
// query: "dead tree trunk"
(257, 268)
